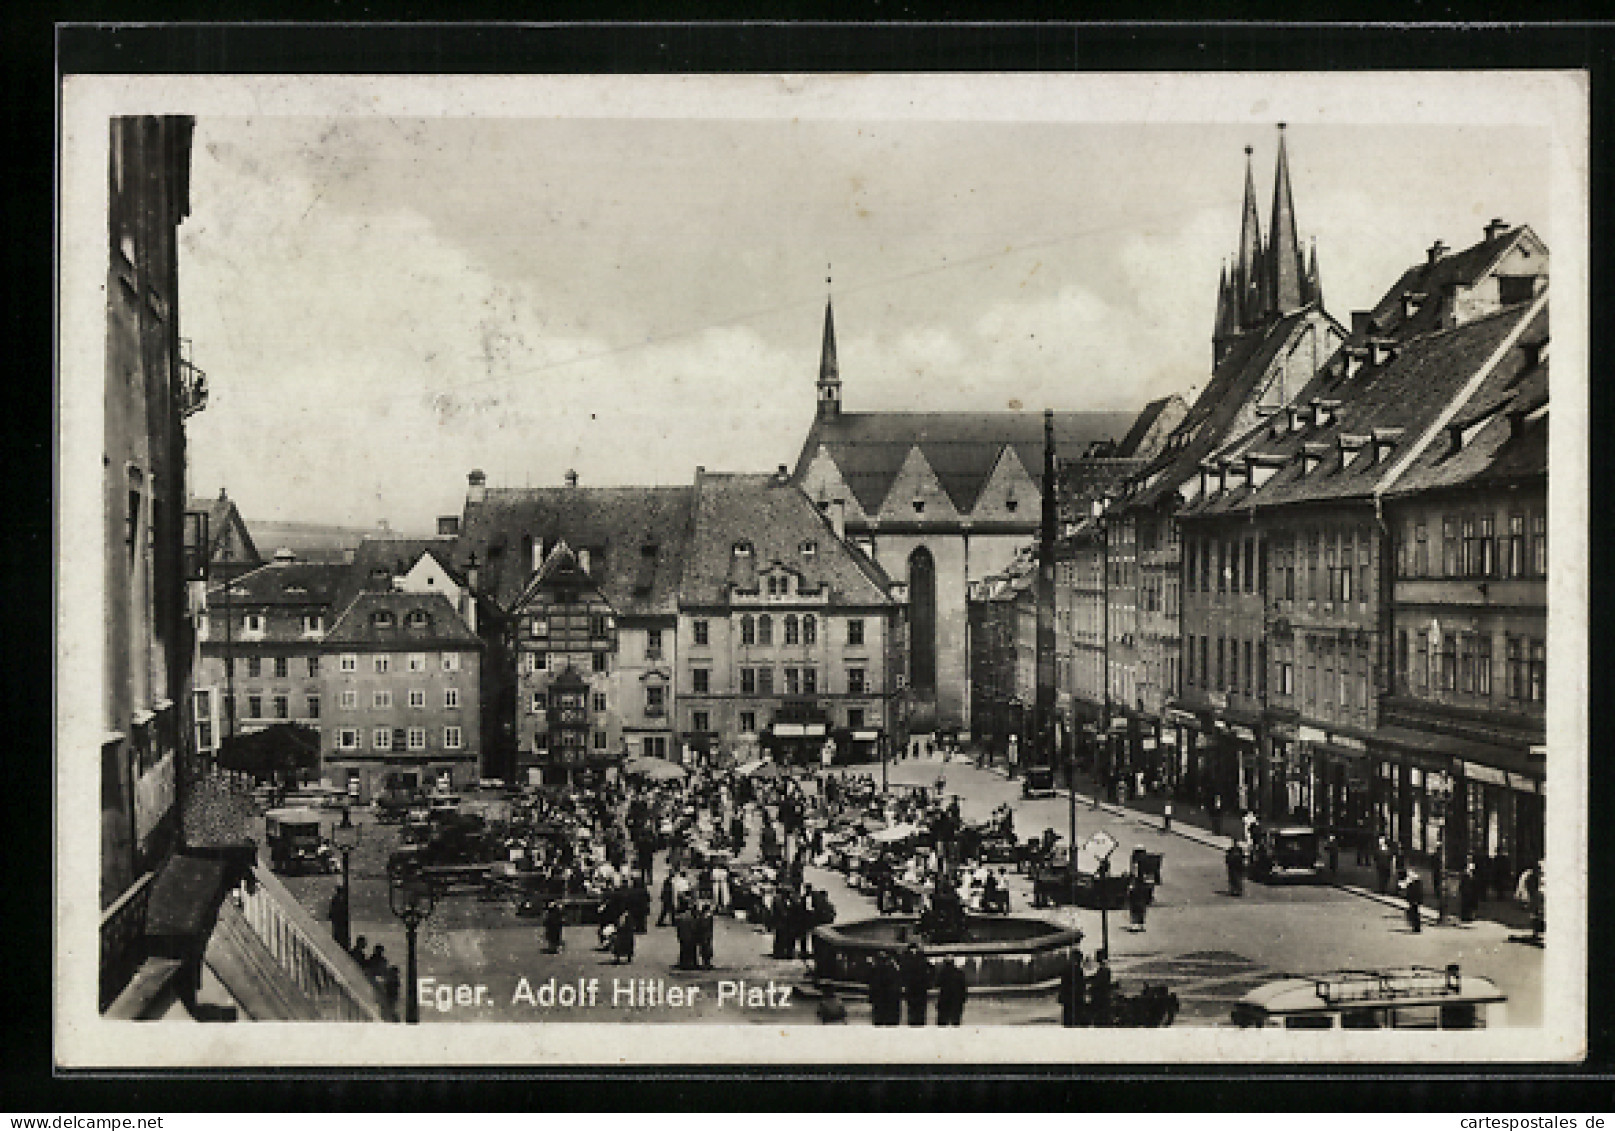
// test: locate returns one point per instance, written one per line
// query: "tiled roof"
(962, 448)
(1216, 408)
(1407, 392)
(445, 628)
(614, 523)
(1497, 450)
(287, 583)
(1141, 427)
(1462, 269)
(397, 556)
(776, 519)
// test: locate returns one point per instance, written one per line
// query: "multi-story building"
(1271, 337)
(400, 678)
(1310, 487)
(263, 648)
(938, 500)
(784, 630)
(149, 636)
(607, 611)
(1466, 704)
(1003, 682)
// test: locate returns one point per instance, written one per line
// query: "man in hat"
(916, 983)
(952, 987)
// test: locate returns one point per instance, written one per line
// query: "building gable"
(824, 483)
(917, 495)
(1010, 493)
(427, 575)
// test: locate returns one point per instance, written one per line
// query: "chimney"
(476, 487)
(1411, 301)
(448, 525)
(1496, 228)
(222, 495)
(838, 518)
(1361, 322)
(571, 478)
(284, 555)
(1437, 250)
(782, 476)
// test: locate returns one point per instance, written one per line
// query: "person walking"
(1382, 865)
(1331, 851)
(1468, 893)
(703, 936)
(1413, 891)
(1234, 861)
(885, 991)
(1138, 901)
(1073, 991)
(622, 939)
(1102, 991)
(668, 901)
(916, 983)
(554, 926)
(952, 988)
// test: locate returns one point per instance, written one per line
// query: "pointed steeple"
(1314, 285)
(829, 372)
(1286, 269)
(1227, 324)
(1248, 272)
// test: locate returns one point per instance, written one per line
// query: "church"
(940, 500)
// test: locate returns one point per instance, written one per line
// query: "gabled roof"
(1389, 319)
(1128, 448)
(1215, 410)
(962, 448)
(444, 628)
(222, 515)
(286, 583)
(1411, 391)
(614, 523)
(775, 518)
(396, 557)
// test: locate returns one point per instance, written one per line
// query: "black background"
(37, 51)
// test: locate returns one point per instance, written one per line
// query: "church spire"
(829, 372)
(1314, 285)
(1287, 270)
(1248, 271)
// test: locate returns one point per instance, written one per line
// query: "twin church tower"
(944, 499)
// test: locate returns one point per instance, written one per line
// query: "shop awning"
(1514, 759)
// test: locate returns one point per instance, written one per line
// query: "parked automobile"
(1290, 854)
(295, 842)
(1038, 781)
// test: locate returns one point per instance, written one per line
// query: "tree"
(279, 753)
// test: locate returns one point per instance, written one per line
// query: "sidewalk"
(1193, 823)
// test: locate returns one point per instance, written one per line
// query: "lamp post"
(411, 898)
(345, 836)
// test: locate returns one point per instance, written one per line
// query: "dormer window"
(1011, 503)
(742, 549)
(1382, 352)
(417, 618)
(919, 506)
(809, 548)
(1311, 457)
(1297, 419)
(1384, 440)
(381, 618)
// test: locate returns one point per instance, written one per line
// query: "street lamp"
(411, 898)
(346, 837)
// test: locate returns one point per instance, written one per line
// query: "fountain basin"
(1001, 954)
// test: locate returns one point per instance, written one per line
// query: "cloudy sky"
(382, 304)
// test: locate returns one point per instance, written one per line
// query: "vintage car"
(1290, 854)
(296, 845)
(1414, 997)
(1038, 781)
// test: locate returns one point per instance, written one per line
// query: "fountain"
(998, 953)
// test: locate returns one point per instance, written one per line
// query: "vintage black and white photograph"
(822, 569)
